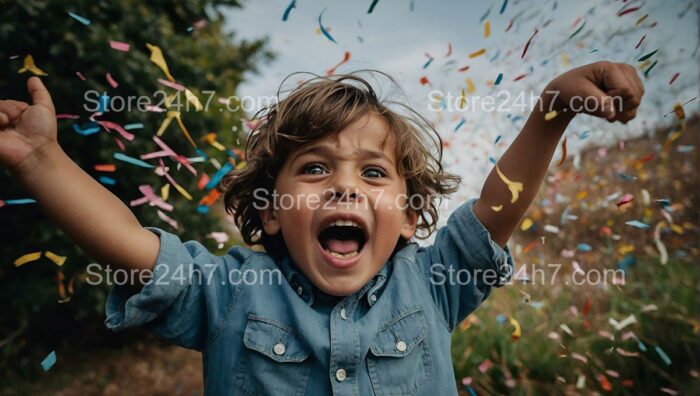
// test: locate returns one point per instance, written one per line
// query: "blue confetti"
(131, 160)
(498, 79)
(137, 125)
(323, 29)
(87, 129)
(291, 5)
(663, 355)
(584, 247)
(107, 180)
(638, 224)
(219, 175)
(103, 104)
(19, 201)
(49, 361)
(80, 19)
(459, 125)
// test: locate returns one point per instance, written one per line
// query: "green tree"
(200, 54)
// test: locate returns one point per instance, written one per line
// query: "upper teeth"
(340, 222)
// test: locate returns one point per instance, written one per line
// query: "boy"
(357, 309)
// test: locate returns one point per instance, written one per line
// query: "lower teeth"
(343, 256)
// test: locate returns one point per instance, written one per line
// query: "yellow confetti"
(182, 191)
(165, 192)
(550, 115)
(516, 332)
(27, 258)
(192, 98)
(514, 187)
(678, 109)
(462, 99)
(29, 65)
(581, 195)
(470, 85)
(168, 118)
(211, 139)
(158, 59)
(477, 53)
(58, 260)
(565, 59)
(497, 208)
(624, 249)
(487, 29)
(526, 224)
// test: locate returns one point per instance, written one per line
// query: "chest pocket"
(399, 360)
(274, 360)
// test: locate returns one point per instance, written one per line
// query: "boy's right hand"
(26, 130)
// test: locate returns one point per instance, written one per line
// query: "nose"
(343, 188)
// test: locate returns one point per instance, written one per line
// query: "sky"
(399, 38)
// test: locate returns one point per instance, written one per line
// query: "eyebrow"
(324, 149)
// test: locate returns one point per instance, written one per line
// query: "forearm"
(526, 161)
(91, 215)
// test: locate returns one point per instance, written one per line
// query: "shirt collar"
(309, 292)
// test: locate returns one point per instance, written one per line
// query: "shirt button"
(401, 346)
(299, 290)
(279, 349)
(340, 375)
(373, 298)
(342, 314)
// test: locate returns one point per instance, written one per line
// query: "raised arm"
(608, 90)
(92, 216)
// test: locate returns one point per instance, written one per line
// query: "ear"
(410, 220)
(271, 224)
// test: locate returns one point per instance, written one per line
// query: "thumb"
(40, 95)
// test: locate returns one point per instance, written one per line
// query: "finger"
(634, 77)
(12, 108)
(603, 103)
(40, 95)
(4, 120)
(615, 81)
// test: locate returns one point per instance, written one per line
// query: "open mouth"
(342, 239)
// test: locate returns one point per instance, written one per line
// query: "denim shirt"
(287, 337)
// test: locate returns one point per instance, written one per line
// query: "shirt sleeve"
(190, 293)
(463, 265)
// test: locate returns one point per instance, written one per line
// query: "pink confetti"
(119, 46)
(70, 116)
(109, 126)
(111, 81)
(80, 75)
(151, 198)
(172, 85)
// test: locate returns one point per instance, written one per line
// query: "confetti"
(514, 187)
(80, 19)
(663, 253)
(289, 8)
(563, 153)
(323, 29)
(158, 59)
(119, 46)
(516, 329)
(50, 359)
(30, 66)
(346, 58)
(647, 56)
(477, 53)
(637, 223)
(29, 257)
(58, 260)
(550, 115)
(527, 45)
(371, 6)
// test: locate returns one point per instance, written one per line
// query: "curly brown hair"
(319, 107)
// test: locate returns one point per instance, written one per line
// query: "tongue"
(342, 246)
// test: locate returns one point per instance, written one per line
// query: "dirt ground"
(143, 368)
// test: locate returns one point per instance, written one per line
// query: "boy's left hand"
(612, 91)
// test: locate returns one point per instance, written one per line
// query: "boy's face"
(342, 206)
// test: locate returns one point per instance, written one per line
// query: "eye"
(313, 168)
(374, 171)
